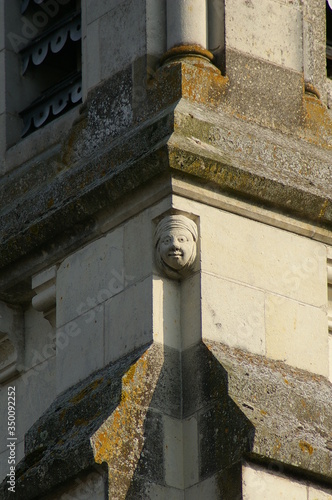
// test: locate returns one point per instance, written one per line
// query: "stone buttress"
(165, 262)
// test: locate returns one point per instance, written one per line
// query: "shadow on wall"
(57, 446)
(196, 417)
(154, 418)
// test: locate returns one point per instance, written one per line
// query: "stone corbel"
(175, 245)
(43, 284)
(11, 341)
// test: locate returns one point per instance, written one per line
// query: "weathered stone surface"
(261, 483)
(57, 447)
(264, 92)
(258, 484)
(77, 194)
(284, 407)
(225, 435)
(201, 386)
(187, 124)
(92, 484)
(230, 483)
(290, 175)
(253, 135)
(106, 114)
(243, 404)
(224, 431)
(167, 398)
(113, 416)
(267, 30)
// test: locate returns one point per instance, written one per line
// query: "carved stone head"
(175, 245)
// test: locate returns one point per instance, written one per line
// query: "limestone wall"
(104, 299)
(172, 387)
(263, 289)
(269, 30)
(35, 387)
(257, 288)
(285, 41)
(259, 484)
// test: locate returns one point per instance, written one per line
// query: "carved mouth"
(175, 253)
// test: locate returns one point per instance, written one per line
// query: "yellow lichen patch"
(101, 444)
(306, 447)
(318, 123)
(130, 374)
(203, 84)
(277, 446)
(133, 388)
(120, 440)
(87, 390)
(323, 209)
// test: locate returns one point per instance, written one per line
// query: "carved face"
(176, 247)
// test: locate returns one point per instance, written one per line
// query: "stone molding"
(242, 394)
(44, 284)
(11, 342)
(175, 139)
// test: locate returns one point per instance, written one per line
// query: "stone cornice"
(281, 404)
(45, 200)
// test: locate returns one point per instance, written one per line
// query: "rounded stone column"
(187, 23)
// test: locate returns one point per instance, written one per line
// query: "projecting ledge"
(281, 402)
(228, 156)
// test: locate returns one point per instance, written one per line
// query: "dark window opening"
(51, 60)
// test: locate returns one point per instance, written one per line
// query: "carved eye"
(182, 239)
(166, 240)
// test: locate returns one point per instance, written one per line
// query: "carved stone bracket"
(11, 341)
(175, 242)
(45, 299)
